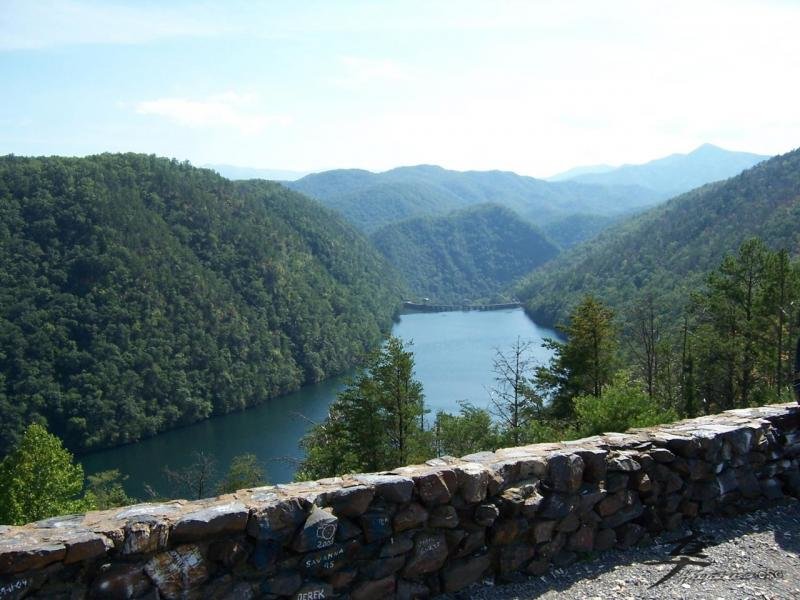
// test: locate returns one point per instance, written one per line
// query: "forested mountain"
(139, 294)
(466, 256)
(668, 250)
(677, 173)
(371, 200)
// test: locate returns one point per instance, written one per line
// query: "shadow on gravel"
(690, 545)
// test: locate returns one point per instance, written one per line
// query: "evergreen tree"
(585, 363)
(375, 423)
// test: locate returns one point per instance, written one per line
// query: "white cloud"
(228, 110)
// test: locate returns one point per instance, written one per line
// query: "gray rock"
(462, 573)
(318, 531)
(565, 472)
(392, 488)
(444, 517)
(430, 553)
(217, 519)
(486, 514)
(412, 516)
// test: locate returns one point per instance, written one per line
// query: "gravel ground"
(751, 556)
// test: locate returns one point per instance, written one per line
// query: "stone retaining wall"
(416, 531)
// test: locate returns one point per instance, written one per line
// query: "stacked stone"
(417, 531)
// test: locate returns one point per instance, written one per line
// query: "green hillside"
(371, 200)
(466, 256)
(139, 294)
(668, 250)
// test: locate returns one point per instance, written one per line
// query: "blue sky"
(529, 86)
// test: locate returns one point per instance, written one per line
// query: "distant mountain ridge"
(673, 174)
(370, 200)
(667, 250)
(468, 255)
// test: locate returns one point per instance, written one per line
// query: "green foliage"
(466, 256)
(623, 405)
(742, 339)
(375, 423)
(585, 363)
(104, 490)
(667, 251)
(245, 472)
(38, 479)
(472, 430)
(139, 294)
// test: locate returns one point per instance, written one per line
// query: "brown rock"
(513, 557)
(278, 520)
(349, 501)
(120, 581)
(177, 571)
(412, 590)
(565, 472)
(473, 480)
(430, 552)
(23, 553)
(433, 487)
(605, 539)
(86, 546)
(486, 514)
(370, 590)
(145, 535)
(230, 517)
(444, 517)
(543, 531)
(412, 516)
(582, 540)
(462, 573)
(506, 531)
(392, 488)
(282, 584)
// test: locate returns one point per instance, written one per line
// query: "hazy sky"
(533, 87)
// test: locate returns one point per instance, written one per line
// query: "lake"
(453, 353)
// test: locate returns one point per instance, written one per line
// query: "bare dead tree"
(194, 480)
(513, 398)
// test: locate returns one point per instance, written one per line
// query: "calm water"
(453, 353)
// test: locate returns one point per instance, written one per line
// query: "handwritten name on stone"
(311, 595)
(9, 590)
(325, 560)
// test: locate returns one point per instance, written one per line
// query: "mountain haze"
(677, 173)
(669, 249)
(466, 256)
(371, 200)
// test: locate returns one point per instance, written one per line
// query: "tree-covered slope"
(677, 173)
(465, 256)
(669, 249)
(371, 200)
(139, 294)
